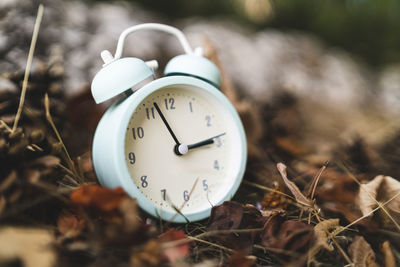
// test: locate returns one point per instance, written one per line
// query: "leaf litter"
(52, 209)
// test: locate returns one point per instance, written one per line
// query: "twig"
(28, 64)
(50, 120)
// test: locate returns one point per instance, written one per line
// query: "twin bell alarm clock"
(175, 143)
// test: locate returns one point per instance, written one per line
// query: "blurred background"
(333, 63)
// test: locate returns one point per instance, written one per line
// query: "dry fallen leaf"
(321, 231)
(390, 260)
(381, 189)
(300, 198)
(287, 235)
(232, 215)
(31, 246)
(238, 259)
(361, 253)
(95, 196)
(176, 252)
(69, 225)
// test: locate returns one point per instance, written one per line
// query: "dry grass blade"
(267, 189)
(3, 124)
(178, 210)
(28, 65)
(370, 195)
(50, 120)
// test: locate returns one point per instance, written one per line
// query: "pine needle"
(28, 65)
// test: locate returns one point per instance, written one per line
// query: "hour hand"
(204, 142)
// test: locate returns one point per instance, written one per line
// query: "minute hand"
(205, 142)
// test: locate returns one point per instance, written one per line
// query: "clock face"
(193, 181)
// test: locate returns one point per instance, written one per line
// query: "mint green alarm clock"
(173, 143)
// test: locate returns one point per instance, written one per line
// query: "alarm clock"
(175, 143)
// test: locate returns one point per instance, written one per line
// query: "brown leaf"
(178, 252)
(31, 246)
(232, 215)
(226, 216)
(238, 259)
(381, 189)
(390, 260)
(361, 253)
(291, 146)
(338, 194)
(69, 225)
(286, 235)
(300, 198)
(150, 255)
(101, 198)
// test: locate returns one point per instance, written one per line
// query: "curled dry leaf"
(174, 252)
(95, 196)
(300, 198)
(321, 231)
(31, 246)
(381, 189)
(287, 235)
(361, 253)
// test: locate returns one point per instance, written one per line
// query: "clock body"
(132, 148)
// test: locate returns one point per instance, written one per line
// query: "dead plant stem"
(50, 120)
(28, 65)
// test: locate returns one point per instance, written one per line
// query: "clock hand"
(179, 148)
(204, 142)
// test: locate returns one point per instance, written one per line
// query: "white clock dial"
(202, 175)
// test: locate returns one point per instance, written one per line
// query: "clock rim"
(129, 106)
